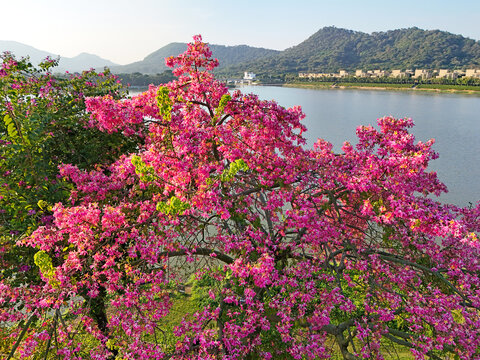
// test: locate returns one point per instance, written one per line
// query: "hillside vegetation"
(331, 49)
(328, 50)
(227, 56)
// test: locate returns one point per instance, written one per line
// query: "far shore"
(389, 87)
(355, 86)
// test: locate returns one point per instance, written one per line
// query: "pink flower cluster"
(303, 246)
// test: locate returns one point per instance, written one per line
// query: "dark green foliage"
(462, 83)
(331, 49)
(43, 123)
(144, 80)
(230, 55)
(328, 50)
(227, 56)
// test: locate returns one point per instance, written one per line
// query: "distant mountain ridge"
(331, 49)
(227, 56)
(83, 61)
(328, 50)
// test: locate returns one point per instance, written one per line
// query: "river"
(453, 120)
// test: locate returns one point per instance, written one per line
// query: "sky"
(125, 31)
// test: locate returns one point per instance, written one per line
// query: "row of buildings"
(417, 73)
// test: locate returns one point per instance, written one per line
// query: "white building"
(422, 73)
(249, 76)
(473, 73)
(360, 73)
(446, 74)
(380, 73)
(397, 73)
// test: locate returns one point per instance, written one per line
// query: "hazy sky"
(124, 31)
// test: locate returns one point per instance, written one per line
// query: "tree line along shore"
(438, 87)
(460, 84)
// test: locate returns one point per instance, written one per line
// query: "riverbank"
(390, 87)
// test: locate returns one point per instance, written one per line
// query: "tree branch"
(22, 334)
(199, 251)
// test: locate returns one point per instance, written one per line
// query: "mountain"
(328, 50)
(331, 49)
(84, 61)
(153, 63)
(78, 63)
(22, 50)
(227, 56)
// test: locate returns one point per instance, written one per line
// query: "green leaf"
(164, 103)
(42, 204)
(144, 171)
(235, 167)
(11, 128)
(174, 206)
(458, 316)
(44, 262)
(221, 105)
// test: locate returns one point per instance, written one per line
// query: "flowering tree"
(300, 248)
(43, 123)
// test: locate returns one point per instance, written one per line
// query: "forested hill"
(331, 49)
(328, 50)
(227, 56)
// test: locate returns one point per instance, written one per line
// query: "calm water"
(453, 120)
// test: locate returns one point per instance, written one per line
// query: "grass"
(390, 351)
(448, 87)
(377, 85)
(317, 84)
(355, 85)
(184, 304)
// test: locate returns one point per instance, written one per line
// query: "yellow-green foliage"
(164, 103)
(174, 206)
(11, 128)
(44, 262)
(144, 171)
(221, 105)
(235, 167)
